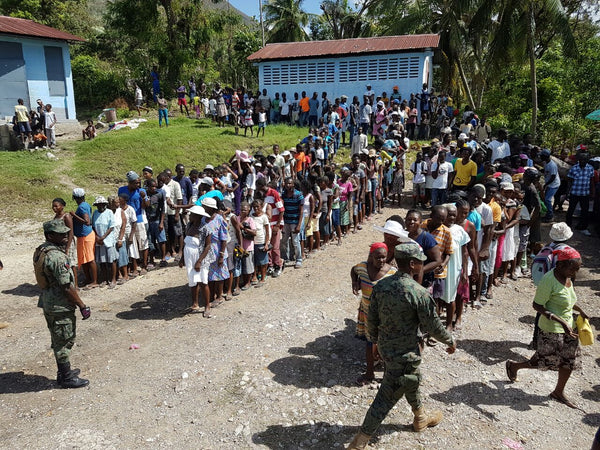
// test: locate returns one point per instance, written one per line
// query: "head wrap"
(566, 254)
(377, 246)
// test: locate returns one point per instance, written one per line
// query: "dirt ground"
(275, 368)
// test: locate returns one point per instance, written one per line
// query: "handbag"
(584, 329)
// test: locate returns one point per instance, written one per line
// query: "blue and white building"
(347, 66)
(35, 63)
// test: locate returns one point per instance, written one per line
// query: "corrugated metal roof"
(24, 27)
(288, 50)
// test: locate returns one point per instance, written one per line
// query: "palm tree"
(286, 20)
(515, 37)
(345, 22)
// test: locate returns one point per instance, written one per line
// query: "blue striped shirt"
(293, 207)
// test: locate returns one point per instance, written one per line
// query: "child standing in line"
(106, 254)
(261, 241)
(262, 121)
(248, 233)
(335, 208)
(50, 121)
(248, 122)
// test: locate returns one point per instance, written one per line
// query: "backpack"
(39, 257)
(544, 262)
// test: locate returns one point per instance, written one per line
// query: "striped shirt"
(293, 207)
(443, 237)
(581, 179)
(273, 198)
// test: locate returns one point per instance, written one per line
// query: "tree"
(286, 20)
(515, 25)
(344, 22)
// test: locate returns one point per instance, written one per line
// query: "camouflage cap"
(409, 250)
(56, 226)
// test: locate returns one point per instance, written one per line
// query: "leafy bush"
(96, 82)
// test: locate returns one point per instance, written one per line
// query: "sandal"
(510, 374)
(207, 314)
(477, 305)
(236, 293)
(89, 287)
(216, 303)
(191, 310)
(122, 281)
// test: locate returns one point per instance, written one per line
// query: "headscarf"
(566, 254)
(376, 246)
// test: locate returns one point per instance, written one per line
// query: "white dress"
(459, 238)
(194, 246)
(509, 250)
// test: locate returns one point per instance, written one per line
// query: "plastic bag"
(586, 335)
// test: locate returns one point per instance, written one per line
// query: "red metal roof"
(24, 27)
(288, 50)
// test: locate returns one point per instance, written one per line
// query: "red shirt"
(273, 198)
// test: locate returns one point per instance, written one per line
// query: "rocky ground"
(275, 368)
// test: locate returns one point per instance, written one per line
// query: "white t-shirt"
(262, 117)
(260, 222)
(418, 169)
(500, 150)
(441, 182)
(284, 107)
(138, 94)
(130, 217)
(306, 212)
(487, 218)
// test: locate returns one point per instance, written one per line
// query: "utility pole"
(262, 26)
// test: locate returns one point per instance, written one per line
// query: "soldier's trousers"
(397, 382)
(62, 334)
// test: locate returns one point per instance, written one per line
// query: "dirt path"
(274, 369)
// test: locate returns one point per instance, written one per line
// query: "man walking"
(399, 307)
(581, 189)
(59, 298)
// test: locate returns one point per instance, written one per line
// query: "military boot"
(72, 373)
(424, 419)
(359, 442)
(68, 378)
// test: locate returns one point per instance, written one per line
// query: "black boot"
(68, 378)
(72, 373)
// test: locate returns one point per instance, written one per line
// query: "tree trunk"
(465, 83)
(532, 71)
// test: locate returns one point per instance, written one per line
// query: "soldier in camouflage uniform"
(399, 306)
(59, 299)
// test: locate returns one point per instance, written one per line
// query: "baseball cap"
(132, 176)
(147, 169)
(545, 152)
(409, 250)
(56, 226)
(78, 192)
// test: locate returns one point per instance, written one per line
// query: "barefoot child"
(196, 246)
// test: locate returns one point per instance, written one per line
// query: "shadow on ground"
(19, 382)
(165, 304)
(476, 395)
(492, 352)
(335, 359)
(24, 290)
(527, 319)
(321, 435)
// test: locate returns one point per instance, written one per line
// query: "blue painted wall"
(37, 81)
(348, 75)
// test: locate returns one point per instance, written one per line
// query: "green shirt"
(556, 298)
(57, 269)
(399, 307)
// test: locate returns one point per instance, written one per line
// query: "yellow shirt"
(22, 113)
(464, 172)
(496, 211)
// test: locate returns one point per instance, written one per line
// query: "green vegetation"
(31, 180)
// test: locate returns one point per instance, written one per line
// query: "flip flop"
(207, 314)
(477, 305)
(216, 303)
(511, 376)
(89, 287)
(364, 381)
(191, 310)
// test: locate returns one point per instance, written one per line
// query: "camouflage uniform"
(59, 313)
(399, 306)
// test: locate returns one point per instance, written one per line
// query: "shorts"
(173, 227)
(324, 224)
(141, 237)
(419, 189)
(181, 101)
(261, 255)
(248, 264)
(262, 124)
(438, 287)
(314, 224)
(487, 267)
(335, 217)
(85, 248)
(139, 102)
(24, 127)
(123, 256)
(156, 235)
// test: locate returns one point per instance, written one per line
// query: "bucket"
(110, 114)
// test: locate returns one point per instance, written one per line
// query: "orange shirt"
(304, 104)
(300, 159)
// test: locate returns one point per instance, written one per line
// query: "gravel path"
(275, 368)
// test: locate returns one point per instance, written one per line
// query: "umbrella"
(594, 115)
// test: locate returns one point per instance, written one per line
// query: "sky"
(250, 7)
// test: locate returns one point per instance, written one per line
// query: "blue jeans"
(288, 235)
(303, 118)
(313, 121)
(374, 185)
(163, 113)
(438, 197)
(352, 130)
(274, 116)
(550, 192)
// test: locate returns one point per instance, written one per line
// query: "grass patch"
(31, 180)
